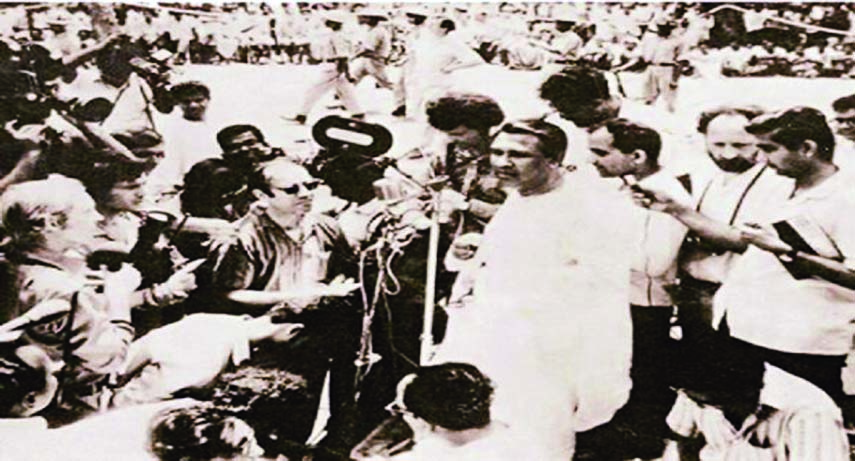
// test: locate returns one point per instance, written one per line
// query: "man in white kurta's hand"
(548, 321)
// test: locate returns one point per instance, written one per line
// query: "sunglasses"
(294, 188)
(845, 120)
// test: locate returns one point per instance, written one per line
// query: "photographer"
(217, 188)
(129, 234)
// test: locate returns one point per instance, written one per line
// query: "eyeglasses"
(845, 120)
(294, 188)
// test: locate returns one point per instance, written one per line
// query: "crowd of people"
(792, 40)
(544, 288)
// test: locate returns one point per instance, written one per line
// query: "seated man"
(280, 260)
(737, 408)
(205, 195)
(447, 406)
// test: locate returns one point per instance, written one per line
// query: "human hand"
(181, 283)
(340, 286)
(465, 246)
(655, 199)
(450, 201)
(764, 237)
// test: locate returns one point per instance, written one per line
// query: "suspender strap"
(741, 197)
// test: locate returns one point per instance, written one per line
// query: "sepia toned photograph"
(424, 231)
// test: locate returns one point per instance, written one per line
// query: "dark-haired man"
(188, 139)
(466, 120)
(448, 408)
(553, 271)
(581, 96)
(631, 151)
(742, 189)
(789, 298)
(844, 127)
(216, 188)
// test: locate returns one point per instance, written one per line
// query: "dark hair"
(182, 91)
(629, 136)
(447, 24)
(708, 116)
(231, 131)
(17, 379)
(192, 433)
(474, 111)
(552, 139)
(208, 185)
(454, 396)
(844, 104)
(574, 86)
(791, 128)
(721, 369)
(101, 179)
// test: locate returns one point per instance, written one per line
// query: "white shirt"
(499, 445)
(767, 306)
(186, 143)
(655, 263)
(724, 199)
(553, 279)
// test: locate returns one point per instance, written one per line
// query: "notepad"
(806, 236)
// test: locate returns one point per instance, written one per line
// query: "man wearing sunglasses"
(290, 263)
(553, 277)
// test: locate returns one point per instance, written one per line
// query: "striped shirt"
(795, 429)
(264, 257)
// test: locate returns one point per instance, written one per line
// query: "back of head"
(629, 137)
(792, 127)
(474, 111)
(575, 92)
(454, 396)
(552, 141)
(194, 433)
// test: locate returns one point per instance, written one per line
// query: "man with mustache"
(553, 275)
(742, 189)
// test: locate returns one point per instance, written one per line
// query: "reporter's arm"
(723, 236)
(827, 269)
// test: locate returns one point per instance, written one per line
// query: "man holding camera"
(217, 188)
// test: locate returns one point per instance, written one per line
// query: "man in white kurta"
(548, 321)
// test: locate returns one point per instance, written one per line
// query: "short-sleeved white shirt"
(767, 306)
